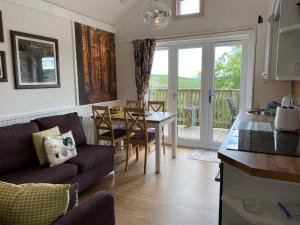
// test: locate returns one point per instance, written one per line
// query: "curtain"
(143, 57)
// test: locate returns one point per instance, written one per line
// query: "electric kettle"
(287, 115)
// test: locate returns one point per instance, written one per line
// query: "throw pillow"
(59, 149)
(73, 196)
(38, 141)
(32, 204)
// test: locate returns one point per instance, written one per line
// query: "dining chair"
(158, 106)
(233, 109)
(104, 128)
(137, 133)
(134, 103)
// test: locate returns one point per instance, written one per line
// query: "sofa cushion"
(16, 146)
(32, 204)
(38, 141)
(60, 149)
(41, 174)
(89, 156)
(65, 123)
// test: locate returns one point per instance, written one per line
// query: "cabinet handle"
(218, 178)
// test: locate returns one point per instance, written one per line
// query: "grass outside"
(161, 81)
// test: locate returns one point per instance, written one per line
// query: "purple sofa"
(19, 164)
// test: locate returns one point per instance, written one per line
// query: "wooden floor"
(184, 193)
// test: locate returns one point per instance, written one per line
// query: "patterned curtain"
(143, 57)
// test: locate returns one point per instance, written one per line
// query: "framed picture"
(35, 60)
(3, 72)
(96, 64)
(1, 28)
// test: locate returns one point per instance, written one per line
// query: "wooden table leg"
(174, 137)
(157, 146)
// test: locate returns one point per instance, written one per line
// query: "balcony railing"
(189, 101)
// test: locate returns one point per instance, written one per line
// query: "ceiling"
(107, 11)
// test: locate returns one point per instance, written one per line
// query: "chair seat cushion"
(89, 156)
(41, 174)
(151, 130)
(118, 133)
(141, 137)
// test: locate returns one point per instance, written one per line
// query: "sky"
(189, 7)
(189, 61)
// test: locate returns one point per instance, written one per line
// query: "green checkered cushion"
(32, 204)
(38, 141)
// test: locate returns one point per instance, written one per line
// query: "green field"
(161, 81)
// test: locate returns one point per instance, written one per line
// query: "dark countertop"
(278, 167)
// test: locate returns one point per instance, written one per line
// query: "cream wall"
(37, 17)
(220, 16)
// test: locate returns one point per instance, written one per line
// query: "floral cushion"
(59, 149)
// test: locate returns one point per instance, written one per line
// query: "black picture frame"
(1, 28)
(35, 61)
(3, 71)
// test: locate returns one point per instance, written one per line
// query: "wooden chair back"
(233, 108)
(134, 104)
(156, 106)
(102, 119)
(135, 122)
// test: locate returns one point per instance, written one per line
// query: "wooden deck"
(219, 134)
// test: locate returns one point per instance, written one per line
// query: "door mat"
(204, 155)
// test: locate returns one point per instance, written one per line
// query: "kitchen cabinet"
(268, 179)
(283, 35)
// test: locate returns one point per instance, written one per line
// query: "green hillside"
(161, 81)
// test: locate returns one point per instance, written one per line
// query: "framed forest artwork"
(96, 64)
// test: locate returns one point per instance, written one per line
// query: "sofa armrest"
(97, 210)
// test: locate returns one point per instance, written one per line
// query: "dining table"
(156, 120)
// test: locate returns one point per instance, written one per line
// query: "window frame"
(176, 10)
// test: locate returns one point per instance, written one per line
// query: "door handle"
(211, 94)
(218, 177)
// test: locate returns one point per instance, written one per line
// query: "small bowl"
(115, 110)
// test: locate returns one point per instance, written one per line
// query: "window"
(189, 7)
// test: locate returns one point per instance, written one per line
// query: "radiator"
(89, 129)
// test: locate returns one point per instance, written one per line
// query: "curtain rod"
(195, 35)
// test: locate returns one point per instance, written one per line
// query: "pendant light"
(157, 15)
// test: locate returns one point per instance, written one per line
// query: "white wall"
(220, 15)
(36, 21)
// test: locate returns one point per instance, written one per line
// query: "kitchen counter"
(277, 167)
(249, 176)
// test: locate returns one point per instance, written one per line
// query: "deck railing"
(189, 105)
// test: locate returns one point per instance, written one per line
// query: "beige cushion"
(32, 204)
(38, 141)
(59, 149)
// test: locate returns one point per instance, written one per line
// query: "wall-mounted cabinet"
(283, 42)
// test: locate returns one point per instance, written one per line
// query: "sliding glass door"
(201, 81)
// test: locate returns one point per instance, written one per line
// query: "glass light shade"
(157, 15)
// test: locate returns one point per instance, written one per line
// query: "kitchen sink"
(262, 112)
